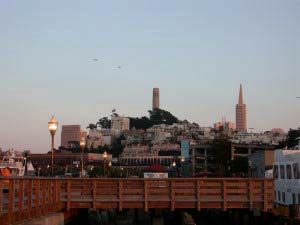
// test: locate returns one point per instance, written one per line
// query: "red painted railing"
(25, 198)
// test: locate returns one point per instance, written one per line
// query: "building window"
(296, 171)
(275, 171)
(294, 198)
(279, 196)
(289, 171)
(299, 199)
(283, 197)
(282, 172)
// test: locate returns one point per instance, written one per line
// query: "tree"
(222, 150)
(239, 165)
(291, 139)
(104, 123)
(140, 123)
(117, 148)
(91, 126)
(160, 116)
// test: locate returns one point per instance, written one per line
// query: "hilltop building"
(155, 99)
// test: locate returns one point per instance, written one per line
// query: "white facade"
(286, 172)
(258, 138)
(120, 123)
(98, 138)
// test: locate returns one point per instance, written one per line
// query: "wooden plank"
(146, 195)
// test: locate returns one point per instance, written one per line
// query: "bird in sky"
(95, 60)
(119, 67)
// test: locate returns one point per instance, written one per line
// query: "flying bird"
(119, 67)
(95, 60)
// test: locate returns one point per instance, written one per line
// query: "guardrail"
(25, 198)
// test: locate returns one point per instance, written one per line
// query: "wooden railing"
(25, 198)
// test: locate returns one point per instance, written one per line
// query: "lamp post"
(48, 166)
(104, 162)
(52, 126)
(82, 144)
(25, 163)
(39, 170)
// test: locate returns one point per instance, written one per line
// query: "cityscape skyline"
(78, 68)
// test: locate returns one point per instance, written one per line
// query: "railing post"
(68, 195)
(1, 196)
(146, 195)
(250, 189)
(37, 196)
(54, 194)
(29, 197)
(265, 193)
(172, 195)
(20, 196)
(11, 200)
(120, 194)
(43, 195)
(50, 195)
(58, 194)
(198, 195)
(94, 190)
(224, 195)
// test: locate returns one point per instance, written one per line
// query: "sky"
(196, 52)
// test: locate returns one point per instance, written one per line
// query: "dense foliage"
(291, 140)
(157, 116)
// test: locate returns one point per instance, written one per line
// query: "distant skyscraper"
(241, 113)
(155, 100)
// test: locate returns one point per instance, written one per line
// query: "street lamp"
(52, 126)
(174, 164)
(104, 162)
(82, 144)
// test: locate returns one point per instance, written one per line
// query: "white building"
(120, 123)
(286, 172)
(98, 138)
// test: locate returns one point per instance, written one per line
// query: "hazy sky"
(196, 52)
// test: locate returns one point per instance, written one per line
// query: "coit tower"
(155, 99)
(241, 113)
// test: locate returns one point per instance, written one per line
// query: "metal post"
(104, 167)
(52, 153)
(193, 161)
